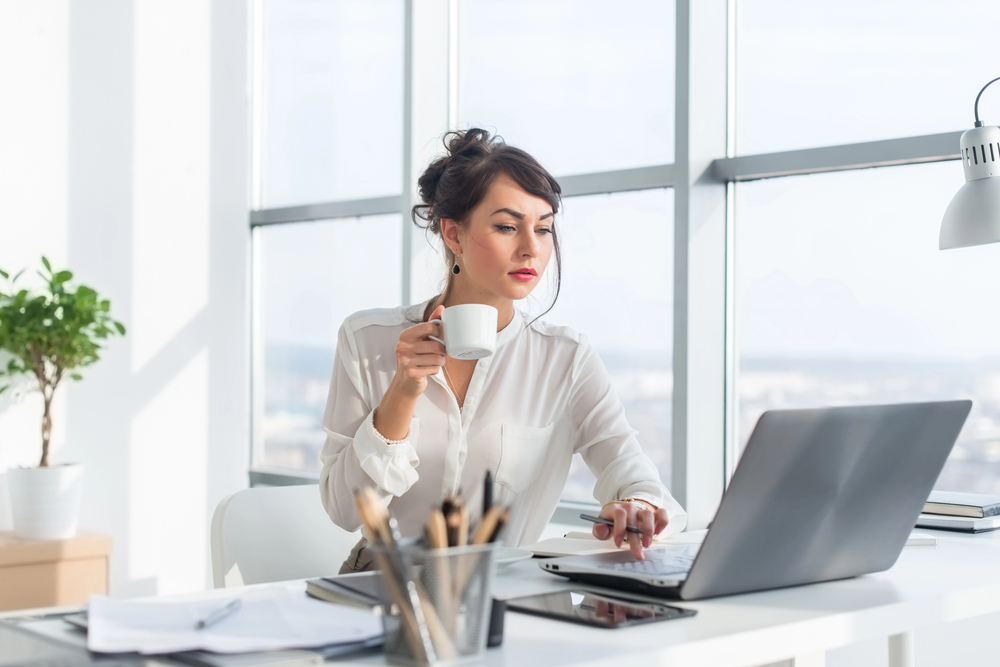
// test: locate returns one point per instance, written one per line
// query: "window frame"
(702, 177)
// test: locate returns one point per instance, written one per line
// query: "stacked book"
(964, 512)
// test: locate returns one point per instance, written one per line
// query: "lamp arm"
(979, 123)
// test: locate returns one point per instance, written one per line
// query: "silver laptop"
(818, 495)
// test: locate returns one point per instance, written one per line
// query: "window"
(575, 81)
(844, 298)
(332, 101)
(619, 293)
(824, 73)
(312, 276)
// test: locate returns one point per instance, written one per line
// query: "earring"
(455, 268)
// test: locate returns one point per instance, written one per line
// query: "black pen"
(487, 492)
(608, 522)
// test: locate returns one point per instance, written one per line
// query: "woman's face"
(505, 247)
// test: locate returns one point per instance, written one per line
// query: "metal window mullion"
(620, 180)
(605, 182)
(866, 155)
(256, 351)
(355, 208)
(406, 199)
(682, 192)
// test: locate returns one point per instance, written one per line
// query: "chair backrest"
(275, 534)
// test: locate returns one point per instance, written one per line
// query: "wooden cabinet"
(46, 573)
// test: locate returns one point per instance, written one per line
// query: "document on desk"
(579, 543)
(268, 619)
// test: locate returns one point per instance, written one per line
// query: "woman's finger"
(422, 360)
(602, 531)
(419, 332)
(421, 371)
(644, 521)
(620, 517)
(661, 520)
(426, 347)
(635, 545)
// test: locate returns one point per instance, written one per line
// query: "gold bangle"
(632, 500)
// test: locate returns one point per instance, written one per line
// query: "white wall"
(125, 157)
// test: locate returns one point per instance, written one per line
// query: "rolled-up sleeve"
(609, 445)
(353, 455)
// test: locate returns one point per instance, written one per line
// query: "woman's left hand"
(640, 515)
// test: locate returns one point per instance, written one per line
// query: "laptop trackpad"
(672, 561)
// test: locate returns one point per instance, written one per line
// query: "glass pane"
(313, 275)
(333, 101)
(617, 289)
(844, 298)
(580, 84)
(820, 73)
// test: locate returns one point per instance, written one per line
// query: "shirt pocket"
(522, 451)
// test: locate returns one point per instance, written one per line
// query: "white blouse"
(543, 396)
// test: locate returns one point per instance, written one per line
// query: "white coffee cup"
(470, 331)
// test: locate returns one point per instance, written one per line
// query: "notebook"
(954, 503)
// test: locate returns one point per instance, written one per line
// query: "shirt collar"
(513, 328)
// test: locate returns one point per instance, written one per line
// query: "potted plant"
(50, 333)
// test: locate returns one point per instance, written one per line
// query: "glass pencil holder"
(436, 603)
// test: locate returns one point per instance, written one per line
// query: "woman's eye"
(505, 229)
(543, 230)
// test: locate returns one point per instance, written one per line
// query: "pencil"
(487, 526)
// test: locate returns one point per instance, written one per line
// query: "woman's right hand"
(418, 357)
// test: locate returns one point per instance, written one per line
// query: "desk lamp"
(973, 216)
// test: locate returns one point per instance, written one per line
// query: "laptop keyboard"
(666, 566)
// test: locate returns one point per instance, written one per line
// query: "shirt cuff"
(392, 467)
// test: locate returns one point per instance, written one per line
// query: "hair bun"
(462, 147)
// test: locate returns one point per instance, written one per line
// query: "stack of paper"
(269, 618)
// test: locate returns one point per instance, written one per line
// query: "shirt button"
(484, 364)
(395, 319)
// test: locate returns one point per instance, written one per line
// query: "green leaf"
(63, 276)
(4, 274)
(120, 327)
(45, 262)
(4, 388)
(76, 376)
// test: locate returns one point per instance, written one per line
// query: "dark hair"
(454, 184)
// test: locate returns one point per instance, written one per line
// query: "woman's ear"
(449, 231)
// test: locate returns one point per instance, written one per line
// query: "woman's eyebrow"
(519, 216)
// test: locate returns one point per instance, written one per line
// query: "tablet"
(602, 611)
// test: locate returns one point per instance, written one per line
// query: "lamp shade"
(973, 216)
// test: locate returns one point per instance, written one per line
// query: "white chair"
(275, 534)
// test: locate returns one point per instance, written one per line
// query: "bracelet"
(387, 440)
(648, 504)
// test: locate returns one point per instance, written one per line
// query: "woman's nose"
(529, 245)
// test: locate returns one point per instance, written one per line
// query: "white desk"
(957, 579)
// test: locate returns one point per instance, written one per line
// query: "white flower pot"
(45, 502)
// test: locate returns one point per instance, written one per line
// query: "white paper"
(578, 543)
(269, 619)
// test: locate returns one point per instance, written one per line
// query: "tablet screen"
(595, 609)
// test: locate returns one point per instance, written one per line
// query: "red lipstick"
(523, 274)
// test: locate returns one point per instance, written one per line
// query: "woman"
(419, 425)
